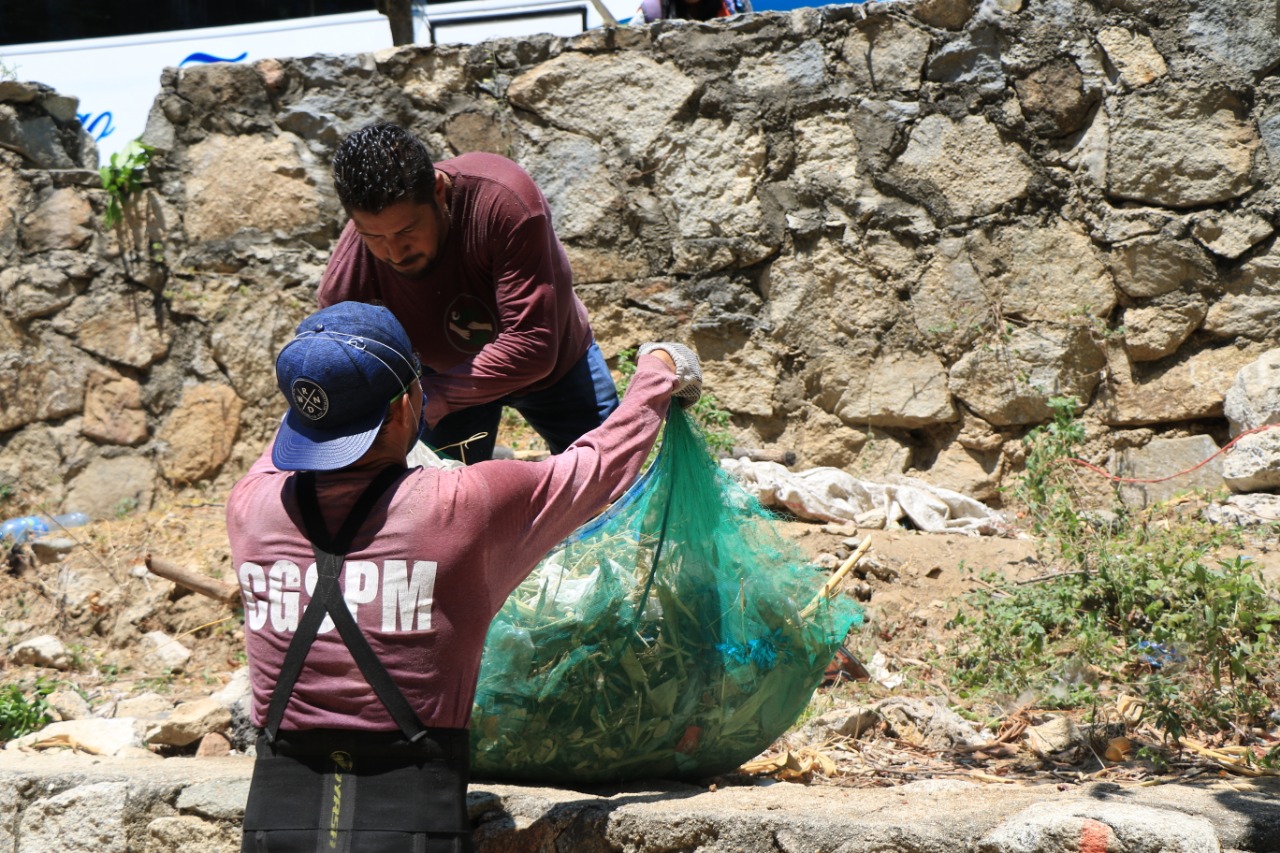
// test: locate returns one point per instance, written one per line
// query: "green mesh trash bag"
(675, 636)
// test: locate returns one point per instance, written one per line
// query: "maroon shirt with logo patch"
(440, 553)
(496, 313)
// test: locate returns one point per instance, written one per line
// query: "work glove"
(688, 370)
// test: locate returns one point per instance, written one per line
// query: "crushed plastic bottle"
(19, 529)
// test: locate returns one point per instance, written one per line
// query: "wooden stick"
(836, 577)
(193, 581)
(782, 457)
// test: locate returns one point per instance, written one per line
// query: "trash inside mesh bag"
(675, 636)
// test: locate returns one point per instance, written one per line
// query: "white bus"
(116, 78)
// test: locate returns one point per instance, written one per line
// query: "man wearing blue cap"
(369, 587)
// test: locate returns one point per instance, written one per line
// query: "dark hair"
(381, 164)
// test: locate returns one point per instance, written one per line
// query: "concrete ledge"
(60, 803)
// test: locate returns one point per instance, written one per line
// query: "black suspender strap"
(327, 599)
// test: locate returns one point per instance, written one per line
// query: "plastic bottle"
(69, 519)
(18, 529)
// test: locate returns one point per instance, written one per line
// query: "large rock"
(62, 220)
(735, 376)
(1155, 329)
(886, 55)
(199, 433)
(36, 290)
(974, 473)
(32, 457)
(827, 304)
(41, 378)
(1254, 397)
(827, 150)
(110, 487)
(784, 73)
(1180, 146)
(1250, 509)
(948, 14)
(1242, 35)
(162, 652)
(248, 183)
(1253, 463)
(626, 98)
(1054, 99)
(900, 389)
(1230, 234)
(1149, 266)
(119, 736)
(38, 138)
(88, 817)
(113, 412)
(1134, 55)
(222, 800)
(1044, 271)
(1250, 302)
(225, 95)
(951, 304)
(1012, 380)
(247, 339)
(960, 169)
(430, 77)
(579, 185)
(120, 324)
(189, 722)
(46, 651)
(709, 179)
(882, 456)
(973, 60)
(1184, 388)
(1179, 464)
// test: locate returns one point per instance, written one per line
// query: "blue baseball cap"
(340, 373)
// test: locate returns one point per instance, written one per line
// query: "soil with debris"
(889, 718)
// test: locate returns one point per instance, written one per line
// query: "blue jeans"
(561, 414)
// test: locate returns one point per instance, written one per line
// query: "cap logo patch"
(309, 399)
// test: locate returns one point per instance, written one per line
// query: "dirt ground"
(100, 600)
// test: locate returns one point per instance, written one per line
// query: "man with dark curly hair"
(464, 254)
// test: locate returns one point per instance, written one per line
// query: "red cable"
(1117, 479)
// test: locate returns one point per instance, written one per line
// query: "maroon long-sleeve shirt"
(430, 568)
(496, 313)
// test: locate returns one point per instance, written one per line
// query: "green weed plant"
(22, 710)
(1136, 604)
(123, 178)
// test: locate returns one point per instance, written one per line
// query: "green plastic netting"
(675, 636)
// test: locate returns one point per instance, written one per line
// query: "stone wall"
(893, 232)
